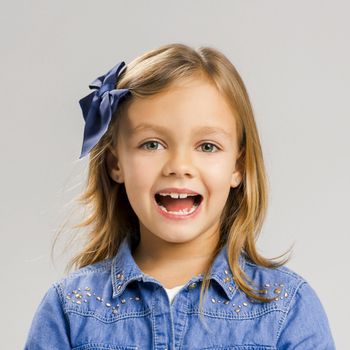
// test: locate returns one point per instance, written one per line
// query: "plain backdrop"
(294, 59)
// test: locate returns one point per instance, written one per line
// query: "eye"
(155, 143)
(150, 143)
(211, 144)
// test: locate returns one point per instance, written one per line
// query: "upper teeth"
(177, 195)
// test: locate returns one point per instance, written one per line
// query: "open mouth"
(178, 206)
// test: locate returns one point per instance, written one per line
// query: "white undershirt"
(172, 292)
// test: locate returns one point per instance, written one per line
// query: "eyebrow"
(201, 130)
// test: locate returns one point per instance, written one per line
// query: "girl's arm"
(49, 328)
(306, 325)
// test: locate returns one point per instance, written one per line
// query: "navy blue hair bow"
(99, 106)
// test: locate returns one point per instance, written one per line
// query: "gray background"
(294, 59)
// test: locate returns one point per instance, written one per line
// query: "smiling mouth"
(178, 206)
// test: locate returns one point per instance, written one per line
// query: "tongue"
(172, 204)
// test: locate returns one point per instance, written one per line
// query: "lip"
(179, 217)
(177, 190)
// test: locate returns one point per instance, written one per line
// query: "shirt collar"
(124, 270)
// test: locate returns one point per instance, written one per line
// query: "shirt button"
(192, 285)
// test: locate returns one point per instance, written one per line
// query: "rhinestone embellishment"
(120, 276)
(77, 295)
(275, 290)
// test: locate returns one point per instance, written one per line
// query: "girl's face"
(182, 138)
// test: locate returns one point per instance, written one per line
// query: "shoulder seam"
(291, 302)
(59, 293)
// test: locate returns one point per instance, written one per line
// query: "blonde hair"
(111, 216)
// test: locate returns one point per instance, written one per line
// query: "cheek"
(219, 169)
(139, 179)
(140, 173)
(217, 178)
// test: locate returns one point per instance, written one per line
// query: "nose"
(179, 164)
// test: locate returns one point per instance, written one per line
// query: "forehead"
(191, 105)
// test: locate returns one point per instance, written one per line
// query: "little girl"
(170, 260)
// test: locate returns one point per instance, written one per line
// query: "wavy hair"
(111, 217)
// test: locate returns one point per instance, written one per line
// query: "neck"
(174, 263)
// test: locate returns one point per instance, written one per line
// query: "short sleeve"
(306, 325)
(49, 329)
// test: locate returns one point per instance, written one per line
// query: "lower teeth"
(180, 212)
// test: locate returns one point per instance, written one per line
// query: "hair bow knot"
(99, 106)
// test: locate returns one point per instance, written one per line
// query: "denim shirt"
(112, 304)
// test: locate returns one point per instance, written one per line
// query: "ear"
(113, 166)
(236, 177)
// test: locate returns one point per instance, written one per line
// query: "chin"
(178, 238)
